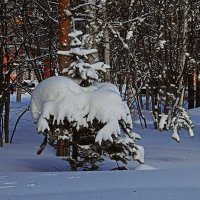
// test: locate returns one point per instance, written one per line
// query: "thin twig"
(17, 123)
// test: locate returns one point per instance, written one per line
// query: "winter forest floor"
(171, 169)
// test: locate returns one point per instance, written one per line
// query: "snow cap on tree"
(99, 109)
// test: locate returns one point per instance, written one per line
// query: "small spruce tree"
(84, 69)
(94, 123)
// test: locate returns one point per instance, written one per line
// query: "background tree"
(28, 47)
(64, 29)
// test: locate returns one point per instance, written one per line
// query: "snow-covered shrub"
(168, 111)
(177, 117)
(176, 120)
(181, 120)
(96, 116)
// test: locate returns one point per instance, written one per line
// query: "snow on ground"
(171, 169)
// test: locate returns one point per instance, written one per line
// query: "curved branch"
(17, 123)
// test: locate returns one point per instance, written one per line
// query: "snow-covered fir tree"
(87, 114)
(84, 69)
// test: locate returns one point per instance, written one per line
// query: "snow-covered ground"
(171, 169)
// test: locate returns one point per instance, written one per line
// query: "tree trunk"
(129, 94)
(75, 149)
(155, 108)
(64, 45)
(107, 53)
(62, 148)
(190, 91)
(7, 96)
(1, 94)
(198, 88)
(147, 98)
(64, 30)
(6, 115)
(183, 38)
(19, 80)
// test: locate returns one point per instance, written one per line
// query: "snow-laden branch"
(60, 100)
(86, 5)
(49, 16)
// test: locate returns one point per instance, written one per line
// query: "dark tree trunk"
(2, 45)
(6, 115)
(1, 94)
(19, 80)
(190, 91)
(62, 148)
(75, 149)
(147, 98)
(198, 88)
(7, 96)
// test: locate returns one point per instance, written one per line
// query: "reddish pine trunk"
(64, 30)
(64, 61)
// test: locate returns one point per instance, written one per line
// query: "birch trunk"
(107, 52)
(183, 37)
